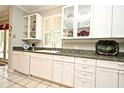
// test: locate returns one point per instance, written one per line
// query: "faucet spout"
(53, 45)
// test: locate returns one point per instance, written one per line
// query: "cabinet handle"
(84, 60)
(83, 81)
(84, 67)
(121, 64)
(84, 74)
(121, 73)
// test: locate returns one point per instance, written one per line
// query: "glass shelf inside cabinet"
(33, 26)
(83, 24)
(68, 22)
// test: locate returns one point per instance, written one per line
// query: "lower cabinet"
(84, 81)
(106, 78)
(41, 67)
(21, 61)
(121, 79)
(57, 71)
(68, 74)
(46, 69)
(63, 70)
(84, 73)
(35, 66)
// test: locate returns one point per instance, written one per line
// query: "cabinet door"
(16, 61)
(83, 22)
(121, 79)
(33, 26)
(46, 69)
(106, 78)
(68, 21)
(25, 27)
(24, 64)
(57, 71)
(102, 21)
(35, 66)
(68, 74)
(118, 21)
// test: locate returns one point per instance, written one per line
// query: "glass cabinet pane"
(68, 23)
(83, 24)
(33, 26)
(25, 27)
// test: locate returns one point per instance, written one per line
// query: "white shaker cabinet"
(63, 70)
(32, 27)
(35, 66)
(57, 71)
(118, 21)
(21, 61)
(121, 79)
(106, 78)
(46, 69)
(68, 74)
(102, 18)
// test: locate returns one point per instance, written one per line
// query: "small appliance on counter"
(25, 46)
(107, 47)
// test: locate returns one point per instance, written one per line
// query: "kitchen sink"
(47, 51)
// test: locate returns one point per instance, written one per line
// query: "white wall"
(88, 44)
(16, 22)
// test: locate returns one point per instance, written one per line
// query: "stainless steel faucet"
(53, 44)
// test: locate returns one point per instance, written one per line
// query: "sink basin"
(46, 51)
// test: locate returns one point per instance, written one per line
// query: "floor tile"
(41, 85)
(24, 82)
(55, 85)
(15, 86)
(17, 79)
(6, 84)
(32, 84)
(51, 87)
(3, 81)
(46, 82)
(38, 80)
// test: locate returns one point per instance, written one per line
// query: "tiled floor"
(17, 80)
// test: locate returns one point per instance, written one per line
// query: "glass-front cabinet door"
(68, 21)
(83, 20)
(33, 26)
(25, 26)
(76, 21)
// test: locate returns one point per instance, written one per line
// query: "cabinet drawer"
(110, 64)
(86, 68)
(64, 58)
(85, 75)
(86, 61)
(43, 56)
(84, 83)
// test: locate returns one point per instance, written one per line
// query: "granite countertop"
(80, 53)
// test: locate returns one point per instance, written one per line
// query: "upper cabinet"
(32, 27)
(118, 22)
(76, 21)
(83, 21)
(68, 21)
(97, 21)
(102, 20)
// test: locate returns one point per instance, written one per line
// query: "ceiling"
(36, 8)
(3, 8)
